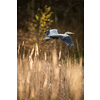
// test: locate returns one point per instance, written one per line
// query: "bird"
(53, 34)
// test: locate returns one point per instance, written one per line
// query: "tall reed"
(49, 80)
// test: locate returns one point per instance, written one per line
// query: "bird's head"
(68, 33)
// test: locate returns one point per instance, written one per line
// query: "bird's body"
(53, 33)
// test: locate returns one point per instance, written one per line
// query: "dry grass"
(49, 80)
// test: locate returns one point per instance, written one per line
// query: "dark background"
(68, 15)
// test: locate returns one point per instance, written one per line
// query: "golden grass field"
(49, 79)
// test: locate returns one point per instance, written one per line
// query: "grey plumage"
(53, 33)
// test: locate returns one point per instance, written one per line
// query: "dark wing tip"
(67, 40)
(47, 32)
(71, 44)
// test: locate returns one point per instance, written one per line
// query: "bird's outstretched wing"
(51, 32)
(65, 38)
(46, 39)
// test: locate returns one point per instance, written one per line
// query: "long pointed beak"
(70, 33)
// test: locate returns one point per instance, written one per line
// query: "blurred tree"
(40, 24)
(68, 15)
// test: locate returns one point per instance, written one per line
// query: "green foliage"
(77, 54)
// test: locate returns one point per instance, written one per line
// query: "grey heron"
(53, 33)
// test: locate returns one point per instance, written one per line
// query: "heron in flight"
(53, 33)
